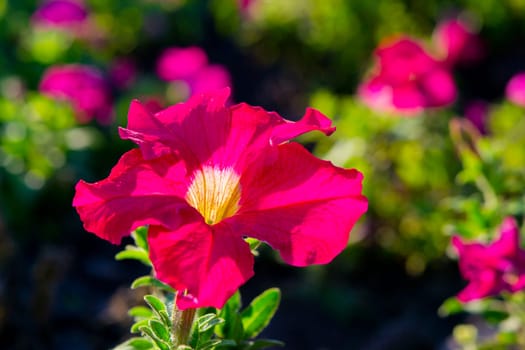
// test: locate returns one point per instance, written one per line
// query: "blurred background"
(69, 69)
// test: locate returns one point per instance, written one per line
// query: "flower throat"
(215, 193)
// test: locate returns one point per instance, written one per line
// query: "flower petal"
(438, 87)
(484, 285)
(508, 243)
(137, 192)
(179, 128)
(302, 206)
(206, 264)
(515, 89)
(408, 98)
(205, 131)
(312, 120)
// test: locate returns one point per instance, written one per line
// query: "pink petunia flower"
(457, 42)
(515, 90)
(407, 80)
(190, 66)
(177, 63)
(206, 176)
(65, 14)
(83, 86)
(493, 268)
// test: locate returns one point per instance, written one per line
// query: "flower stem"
(489, 196)
(182, 322)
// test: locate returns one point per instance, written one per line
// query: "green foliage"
(409, 165)
(36, 134)
(228, 328)
(259, 313)
(135, 344)
(150, 281)
(140, 252)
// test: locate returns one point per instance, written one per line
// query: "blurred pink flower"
(122, 72)
(457, 42)
(493, 268)
(190, 65)
(209, 78)
(244, 4)
(61, 13)
(83, 86)
(476, 112)
(407, 80)
(181, 63)
(515, 89)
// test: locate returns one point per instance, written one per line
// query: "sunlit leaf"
(260, 312)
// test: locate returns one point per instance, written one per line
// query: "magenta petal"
(408, 98)
(492, 268)
(83, 86)
(136, 193)
(300, 205)
(407, 79)
(205, 131)
(439, 88)
(210, 78)
(179, 128)
(61, 13)
(180, 63)
(480, 288)
(508, 244)
(402, 59)
(457, 42)
(146, 131)
(515, 90)
(206, 264)
(377, 94)
(312, 120)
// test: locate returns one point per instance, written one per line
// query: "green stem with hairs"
(182, 322)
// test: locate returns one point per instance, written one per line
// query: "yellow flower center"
(215, 193)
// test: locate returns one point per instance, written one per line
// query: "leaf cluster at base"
(226, 328)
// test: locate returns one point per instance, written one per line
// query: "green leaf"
(254, 245)
(161, 344)
(208, 321)
(214, 343)
(165, 318)
(260, 311)
(159, 308)
(159, 329)
(135, 344)
(203, 328)
(261, 344)
(235, 301)
(155, 303)
(232, 327)
(135, 328)
(140, 236)
(184, 347)
(150, 281)
(450, 306)
(134, 253)
(140, 312)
